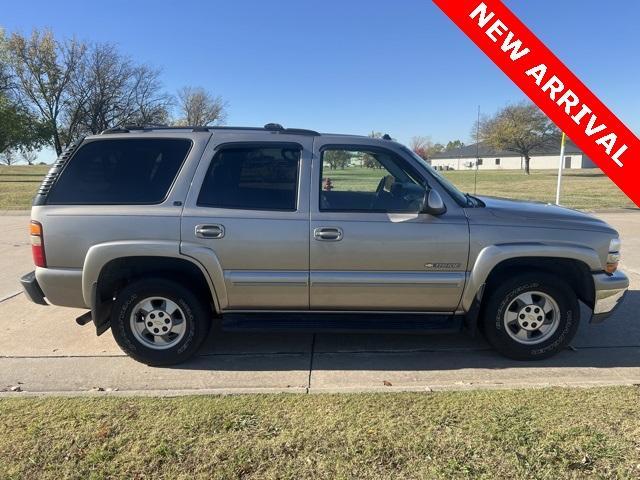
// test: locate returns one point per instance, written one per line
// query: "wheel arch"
(573, 263)
(108, 265)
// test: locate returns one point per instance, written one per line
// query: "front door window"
(367, 181)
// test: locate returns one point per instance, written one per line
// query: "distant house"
(464, 158)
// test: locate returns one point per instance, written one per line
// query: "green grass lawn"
(582, 189)
(526, 434)
(18, 185)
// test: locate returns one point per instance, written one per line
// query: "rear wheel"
(159, 322)
(531, 316)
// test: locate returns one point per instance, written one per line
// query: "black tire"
(197, 317)
(501, 298)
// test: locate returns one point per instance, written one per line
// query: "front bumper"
(32, 289)
(610, 292)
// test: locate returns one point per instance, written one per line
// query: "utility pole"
(560, 168)
(475, 176)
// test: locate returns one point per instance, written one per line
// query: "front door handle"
(328, 234)
(210, 231)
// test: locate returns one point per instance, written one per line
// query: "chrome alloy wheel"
(158, 323)
(531, 318)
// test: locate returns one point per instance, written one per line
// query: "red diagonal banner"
(552, 87)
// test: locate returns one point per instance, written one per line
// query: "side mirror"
(433, 204)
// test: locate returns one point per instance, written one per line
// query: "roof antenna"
(475, 176)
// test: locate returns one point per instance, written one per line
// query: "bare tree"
(29, 156)
(44, 69)
(148, 104)
(199, 107)
(110, 91)
(424, 147)
(8, 158)
(520, 128)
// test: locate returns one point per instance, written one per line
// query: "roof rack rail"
(270, 127)
(300, 131)
(149, 128)
(114, 130)
(276, 127)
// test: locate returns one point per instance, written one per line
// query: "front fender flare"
(491, 256)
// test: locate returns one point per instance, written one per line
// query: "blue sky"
(350, 66)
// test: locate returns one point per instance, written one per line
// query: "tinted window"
(252, 178)
(127, 171)
(367, 180)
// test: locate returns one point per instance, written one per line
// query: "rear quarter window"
(122, 171)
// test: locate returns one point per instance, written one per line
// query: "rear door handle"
(210, 231)
(328, 234)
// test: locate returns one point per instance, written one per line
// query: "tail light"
(37, 244)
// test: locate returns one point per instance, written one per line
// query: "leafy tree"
(45, 70)
(5, 73)
(369, 161)
(337, 159)
(18, 129)
(453, 144)
(199, 107)
(519, 128)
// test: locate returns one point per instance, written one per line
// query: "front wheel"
(159, 322)
(531, 317)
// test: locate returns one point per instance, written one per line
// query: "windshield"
(458, 196)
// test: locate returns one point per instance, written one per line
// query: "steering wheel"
(379, 192)
(381, 185)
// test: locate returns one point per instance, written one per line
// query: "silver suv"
(159, 231)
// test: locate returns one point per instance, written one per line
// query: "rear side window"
(252, 178)
(123, 171)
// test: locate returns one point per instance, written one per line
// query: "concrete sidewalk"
(43, 350)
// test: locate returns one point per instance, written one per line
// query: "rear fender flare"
(99, 255)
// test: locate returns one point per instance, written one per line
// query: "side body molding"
(490, 257)
(101, 254)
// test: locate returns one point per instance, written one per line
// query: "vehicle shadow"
(614, 343)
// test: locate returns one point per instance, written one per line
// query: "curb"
(458, 387)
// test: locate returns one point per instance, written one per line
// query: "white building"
(464, 158)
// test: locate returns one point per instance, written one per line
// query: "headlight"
(615, 245)
(613, 258)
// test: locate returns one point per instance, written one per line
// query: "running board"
(343, 322)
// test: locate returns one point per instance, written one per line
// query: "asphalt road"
(43, 350)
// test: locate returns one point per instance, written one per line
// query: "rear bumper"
(32, 289)
(610, 292)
